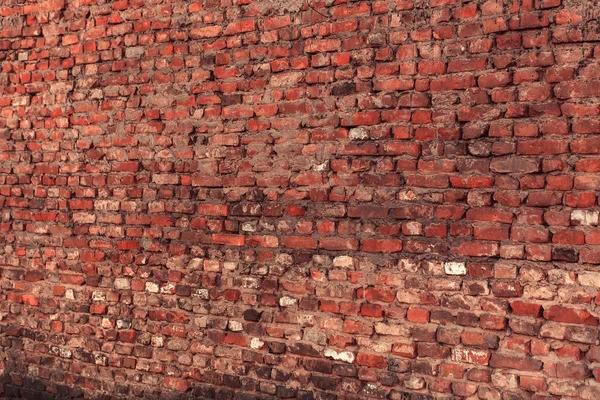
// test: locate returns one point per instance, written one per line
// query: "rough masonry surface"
(328, 200)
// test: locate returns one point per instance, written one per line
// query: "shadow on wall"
(53, 374)
(15, 384)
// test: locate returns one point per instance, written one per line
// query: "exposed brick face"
(258, 199)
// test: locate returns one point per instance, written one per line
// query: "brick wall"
(275, 199)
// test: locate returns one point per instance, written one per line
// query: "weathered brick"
(512, 362)
(299, 200)
(570, 315)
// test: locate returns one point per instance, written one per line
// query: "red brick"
(357, 327)
(367, 212)
(178, 384)
(371, 310)
(30, 300)
(489, 215)
(338, 244)
(371, 360)
(543, 146)
(299, 242)
(491, 232)
(570, 315)
(532, 383)
(58, 290)
(235, 28)
(49, 5)
(417, 315)
(376, 294)
(527, 309)
(569, 236)
(276, 22)
(232, 240)
(381, 245)
(477, 249)
(405, 350)
(262, 241)
(322, 45)
(217, 210)
(591, 256)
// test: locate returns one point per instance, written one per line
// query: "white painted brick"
(345, 356)
(152, 287)
(359, 133)
(235, 326)
(343, 262)
(455, 268)
(589, 279)
(286, 301)
(584, 217)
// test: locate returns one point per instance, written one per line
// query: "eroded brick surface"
(256, 200)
